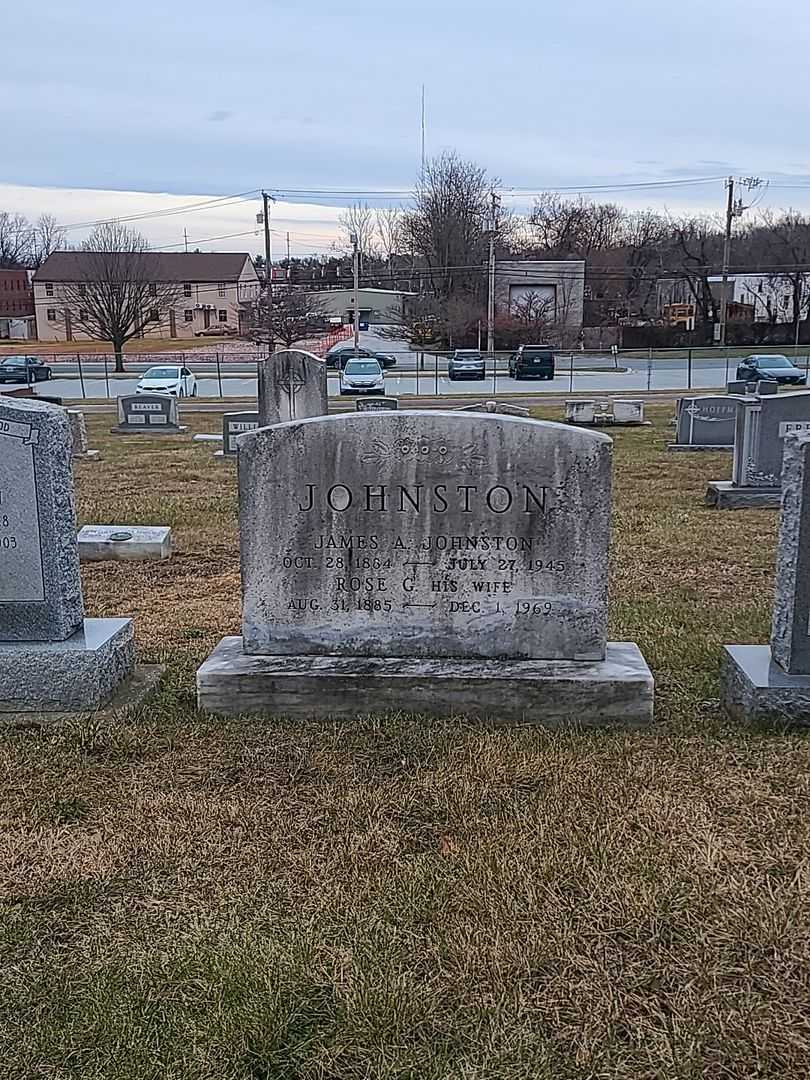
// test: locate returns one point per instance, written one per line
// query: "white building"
(771, 295)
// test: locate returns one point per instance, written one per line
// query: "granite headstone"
(706, 422)
(148, 414)
(377, 404)
(292, 386)
(236, 424)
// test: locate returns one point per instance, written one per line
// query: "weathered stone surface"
(376, 404)
(425, 534)
(40, 588)
(579, 411)
(148, 414)
(766, 387)
(737, 387)
(236, 424)
(755, 689)
(557, 693)
(292, 386)
(761, 426)
(724, 495)
(706, 421)
(790, 635)
(125, 543)
(78, 429)
(628, 411)
(74, 675)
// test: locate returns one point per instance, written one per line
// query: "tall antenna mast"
(423, 129)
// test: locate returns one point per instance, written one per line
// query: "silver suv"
(466, 364)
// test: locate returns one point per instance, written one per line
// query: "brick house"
(16, 304)
(214, 288)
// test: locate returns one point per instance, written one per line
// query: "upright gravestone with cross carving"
(292, 386)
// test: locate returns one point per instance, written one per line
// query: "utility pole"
(733, 209)
(268, 265)
(356, 269)
(491, 289)
(422, 173)
(185, 239)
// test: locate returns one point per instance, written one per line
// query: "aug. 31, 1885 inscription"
(426, 535)
(21, 577)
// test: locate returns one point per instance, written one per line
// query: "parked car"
(363, 376)
(466, 364)
(344, 350)
(171, 379)
(24, 369)
(532, 362)
(217, 330)
(777, 368)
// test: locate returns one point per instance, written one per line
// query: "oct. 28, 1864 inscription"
(21, 577)
(425, 535)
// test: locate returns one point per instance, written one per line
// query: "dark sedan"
(24, 369)
(775, 368)
(339, 354)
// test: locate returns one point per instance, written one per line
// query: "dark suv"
(776, 368)
(532, 362)
(339, 354)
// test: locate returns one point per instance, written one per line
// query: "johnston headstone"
(234, 425)
(706, 423)
(51, 658)
(148, 414)
(759, 439)
(292, 386)
(761, 683)
(436, 556)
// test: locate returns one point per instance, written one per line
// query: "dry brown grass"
(393, 897)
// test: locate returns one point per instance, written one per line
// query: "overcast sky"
(210, 98)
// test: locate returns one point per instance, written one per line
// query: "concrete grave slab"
(125, 543)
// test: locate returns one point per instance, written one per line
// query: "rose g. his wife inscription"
(425, 535)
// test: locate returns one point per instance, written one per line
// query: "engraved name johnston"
(414, 498)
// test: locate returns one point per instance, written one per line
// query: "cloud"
(218, 115)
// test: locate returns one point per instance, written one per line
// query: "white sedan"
(362, 376)
(171, 379)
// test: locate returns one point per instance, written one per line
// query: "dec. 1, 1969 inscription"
(21, 577)
(425, 535)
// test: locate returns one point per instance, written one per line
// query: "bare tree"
(294, 316)
(15, 240)
(448, 222)
(694, 248)
(358, 220)
(789, 233)
(46, 237)
(388, 228)
(119, 293)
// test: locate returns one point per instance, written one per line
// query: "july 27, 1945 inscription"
(471, 536)
(21, 577)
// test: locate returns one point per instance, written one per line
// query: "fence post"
(436, 387)
(571, 375)
(106, 376)
(81, 373)
(689, 371)
(219, 374)
(649, 372)
(494, 375)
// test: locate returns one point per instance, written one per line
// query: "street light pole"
(726, 259)
(268, 265)
(491, 285)
(356, 268)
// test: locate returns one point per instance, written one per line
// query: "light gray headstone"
(425, 534)
(706, 421)
(40, 588)
(377, 404)
(628, 411)
(292, 386)
(236, 424)
(145, 411)
(78, 429)
(124, 542)
(790, 635)
(761, 427)
(500, 407)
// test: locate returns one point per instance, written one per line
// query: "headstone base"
(75, 675)
(132, 694)
(220, 455)
(708, 447)
(152, 542)
(155, 429)
(88, 455)
(208, 438)
(724, 495)
(556, 693)
(754, 688)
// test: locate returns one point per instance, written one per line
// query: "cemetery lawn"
(185, 897)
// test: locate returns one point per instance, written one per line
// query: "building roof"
(177, 266)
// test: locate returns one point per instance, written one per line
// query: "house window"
(49, 288)
(82, 315)
(188, 315)
(153, 290)
(221, 288)
(223, 316)
(51, 314)
(82, 290)
(154, 315)
(186, 289)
